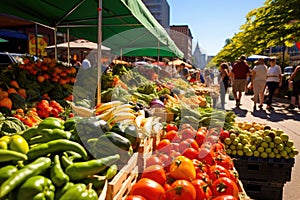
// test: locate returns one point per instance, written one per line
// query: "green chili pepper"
(32, 169)
(30, 133)
(65, 161)
(97, 182)
(80, 192)
(51, 123)
(59, 145)
(6, 172)
(47, 135)
(111, 171)
(57, 175)
(80, 170)
(8, 155)
(36, 187)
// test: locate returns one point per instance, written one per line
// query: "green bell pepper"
(51, 123)
(57, 175)
(80, 191)
(63, 190)
(37, 188)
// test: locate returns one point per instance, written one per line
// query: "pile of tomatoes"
(188, 164)
(46, 108)
(28, 117)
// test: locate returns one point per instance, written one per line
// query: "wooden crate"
(144, 152)
(164, 115)
(242, 193)
(120, 186)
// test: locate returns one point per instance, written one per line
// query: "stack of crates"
(264, 178)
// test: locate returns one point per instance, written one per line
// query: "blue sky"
(211, 21)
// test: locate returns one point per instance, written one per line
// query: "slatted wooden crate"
(119, 187)
(144, 152)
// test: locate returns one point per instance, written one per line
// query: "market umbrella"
(79, 44)
(178, 62)
(3, 40)
(256, 57)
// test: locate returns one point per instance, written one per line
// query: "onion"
(155, 103)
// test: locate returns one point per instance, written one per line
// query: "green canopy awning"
(128, 20)
(3, 40)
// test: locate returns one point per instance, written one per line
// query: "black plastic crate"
(275, 170)
(259, 190)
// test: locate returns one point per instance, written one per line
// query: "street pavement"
(280, 118)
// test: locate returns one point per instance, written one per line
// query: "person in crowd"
(295, 81)
(239, 73)
(274, 81)
(224, 82)
(207, 77)
(258, 82)
(183, 71)
(86, 64)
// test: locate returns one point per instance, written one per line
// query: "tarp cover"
(81, 16)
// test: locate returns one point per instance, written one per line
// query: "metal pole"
(99, 51)
(55, 42)
(36, 40)
(68, 38)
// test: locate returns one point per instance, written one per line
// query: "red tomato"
(148, 188)
(175, 146)
(225, 161)
(193, 143)
(200, 166)
(218, 147)
(224, 134)
(166, 160)
(225, 186)
(224, 197)
(202, 189)
(153, 160)
(183, 145)
(171, 127)
(135, 197)
(170, 135)
(190, 153)
(167, 186)
(203, 176)
(200, 137)
(206, 156)
(181, 190)
(156, 173)
(164, 146)
(217, 171)
(187, 133)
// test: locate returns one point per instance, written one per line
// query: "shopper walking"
(274, 81)
(239, 74)
(295, 81)
(224, 82)
(258, 82)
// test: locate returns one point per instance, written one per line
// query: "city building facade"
(199, 60)
(160, 9)
(182, 36)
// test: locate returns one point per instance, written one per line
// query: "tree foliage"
(276, 23)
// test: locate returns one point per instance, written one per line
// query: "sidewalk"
(288, 121)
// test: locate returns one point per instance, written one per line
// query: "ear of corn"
(105, 106)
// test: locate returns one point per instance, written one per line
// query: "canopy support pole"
(99, 51)
(68, 38)
(121, 55)
(55, 43)
(36, 40)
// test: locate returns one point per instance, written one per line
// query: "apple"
(260, 149)
(284, 137)
(256, 153)
(289, 143)
(277, 140)
(264, 155)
